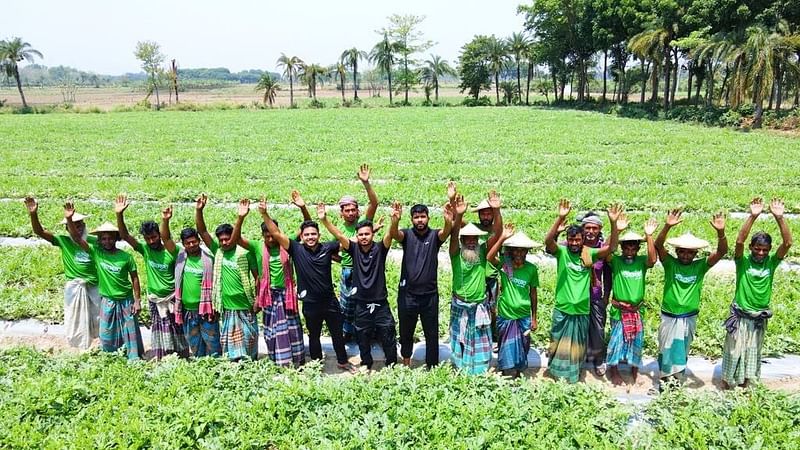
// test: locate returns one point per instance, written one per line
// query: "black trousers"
(375, 321)
(426, 308)
(327, 311)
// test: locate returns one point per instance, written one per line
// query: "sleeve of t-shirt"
(534, 281)
(333, 246)
(593, 254)
(214, 246)
(704, 266)
(131, 263)
(351, 249)
(254, 249)
(292, 247)
(139, 248)
(57, 240)
(774, 261)
(559, 251)
(439, 242)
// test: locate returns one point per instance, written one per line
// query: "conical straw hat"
(471, 230)
(630, 236)
(484, 204)
(687, 241)
(106, 227)
(77, 217)
(520, 240)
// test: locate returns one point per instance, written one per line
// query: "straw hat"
(484, 204)
(471, 230)
(687, 241)
(106, 227)
(630, 236)
(520, 240)
(77, 217)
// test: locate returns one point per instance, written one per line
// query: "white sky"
(100, 36)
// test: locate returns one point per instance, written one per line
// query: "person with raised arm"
(118, 284)
(81, 297)
(312, 266)
(755, 273)
(373, 316)
(683, 284)
(194, 276)
(166, 336)
(518, 301)
(628, 282)
(573, 270)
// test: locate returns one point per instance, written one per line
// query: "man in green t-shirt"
(118, 284)
(571, 313)
(81, 298)
(628, 271)
(517, 304)
(166, 336)
(235, 284)
(470, 317)
(741, 354)
(683, 284)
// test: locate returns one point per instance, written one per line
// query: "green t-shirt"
(191, 282)
(683, 284)
(77, 263)
(350, 232)
(754, 282)
(234, 297)
(627, 281)
(572, 281)
(469, 280)
(491, 270)
(113, 272)
(160, 268)
(515, 296)
(276, 276)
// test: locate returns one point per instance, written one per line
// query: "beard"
(470, 256)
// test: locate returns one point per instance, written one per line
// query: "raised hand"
(363, 173)
(508, 231)
(397, 210)
(166, 213)
(121, 203)
(718, 221)
(31, 205)
(378, 224)
(201, 201)
(69, 209)
(244, 207)
(461, 205)
(262, 204)
(494, 199)
(561, 227)
(650, 226)
(451, 190)
(777, 208)
(756, 206)
(622, 222)
(564, 208)
(674, 217)
(321, 213)
(448, 212)
(614, 212)
(297, 200)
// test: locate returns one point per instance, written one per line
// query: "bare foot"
(407, 362)
(616, 379)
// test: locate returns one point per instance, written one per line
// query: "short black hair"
(419, 209)
(308, 223)
(148, 227)
(761, 238)
(225, 228)
(186, 233)
(574, 230)
(365, 223)
(264, 228)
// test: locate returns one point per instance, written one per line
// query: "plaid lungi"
(470, 336)
(514, 343)
(741, 354)
(120, 328)
(568, 345)
(202, 335)
(239, 335)
(165, 335)
(620, 350)
(346, 303)
(283, 332)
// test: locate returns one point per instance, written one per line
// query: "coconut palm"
(435, 68)
(339, 70)
(651, 44)
(496, 53)
(291, 65)
(13, 52)
(270, 88)
(382, 55)
(313, 73)
(350, 58)
(518, 45)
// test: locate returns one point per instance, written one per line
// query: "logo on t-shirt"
(82, 257)
(686, 278)
(758, 273)
(157, 265)
(110, 267)
(194, 270)
(576, 267)
(231, 264)
(518, 282)
(631, 274)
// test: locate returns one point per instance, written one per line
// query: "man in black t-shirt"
(418, 292)
(312, 265)
(373, 317)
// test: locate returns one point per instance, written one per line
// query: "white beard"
(470, 256)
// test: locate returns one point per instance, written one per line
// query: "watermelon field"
(531, 156)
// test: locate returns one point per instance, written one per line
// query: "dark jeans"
(426, 307)
(378, 324)
(324, 311)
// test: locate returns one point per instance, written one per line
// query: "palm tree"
(497, 57)
(290, 64)
(11, 53)
(339, 70)
(270, 88)
(518, 45)
(350, 58)
(382, 55)
(435, 68)
(312, 73)
(651, 44)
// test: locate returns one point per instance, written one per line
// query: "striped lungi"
(568, 345)
(741, 354)
(515, 343)
(283, 332)
(620, 350)
(119, 327)
(81, 313)
(470, 336)
(165, 335)
(239, 335)
(202, 335)
(675, 336)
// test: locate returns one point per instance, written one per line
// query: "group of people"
(205, 294)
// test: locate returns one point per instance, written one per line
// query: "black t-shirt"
(420, 261)
(313, 269)
(369, 272)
